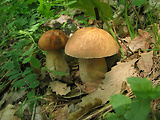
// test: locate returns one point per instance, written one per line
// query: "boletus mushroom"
(53, 41)
(91, 45)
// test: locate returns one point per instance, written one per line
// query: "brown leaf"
(142, 41)
(61, 113)
(59, 87)
(146, 62)
(91, 86)
(8, 113)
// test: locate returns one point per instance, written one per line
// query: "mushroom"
(91, 45)
(53, 41)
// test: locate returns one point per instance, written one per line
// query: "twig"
(34, 110)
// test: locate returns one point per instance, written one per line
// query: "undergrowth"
(21, 27)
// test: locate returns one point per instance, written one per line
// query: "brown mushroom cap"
(52, 40)
(91, 43)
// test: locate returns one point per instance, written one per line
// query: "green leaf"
(26, 60)
(139, 2)
(25, 88)
(30, 78)
(31, 105)
(28, 52)
(8, 66)
(120, 103)
(34, 27)
(31, 94)
(30, 1)
(34, 84)
(27, 71)
(141, 87)
(21, 43)
(155, 92)
(19, 83)
(35, 62)
(139, 109)
(103, 8)
(88, 7)
(13, 72)
(18, 75)
(110, 116)
(55, 72)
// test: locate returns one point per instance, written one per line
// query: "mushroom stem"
(92, 69)
(55, 61)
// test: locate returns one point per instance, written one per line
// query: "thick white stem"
(55, 61)
(92, 69)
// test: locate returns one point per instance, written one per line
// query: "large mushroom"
(53, 41)
(91, 45)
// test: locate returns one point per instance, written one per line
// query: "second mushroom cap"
(52, 40)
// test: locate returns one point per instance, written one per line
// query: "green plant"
(153, 20)
(137, 108)
(20, 26)
(17, 59)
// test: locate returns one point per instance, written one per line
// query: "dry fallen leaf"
(8, 113)
(146, 62)
(61, 113)
(62, 19)
(9, 98)
(59, 87)
(142, 41)
(39, 115)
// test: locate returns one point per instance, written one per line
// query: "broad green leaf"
(31, 105)
(21, 43)
(122, 2)
(34, 84)
(30, 78)
(13, 72)
(18, 75)
(8, 66)
(21, 21)
(104, 9)
(28, 52)
(139, 109)
(34, 27)
(139, 2)
(25, 88)
(155, 92)
(120, 103)
(33, 20)
(110, 116)
(31, 94)
(55, 72)
(15, 59)
(35, 62)
(30, 1)
(27, 71)
(26, 60)
(71, 2)
(88, 7)
(19, 83)
(141, 87)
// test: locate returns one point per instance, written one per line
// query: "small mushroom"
(53, 41)
(91, 45)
